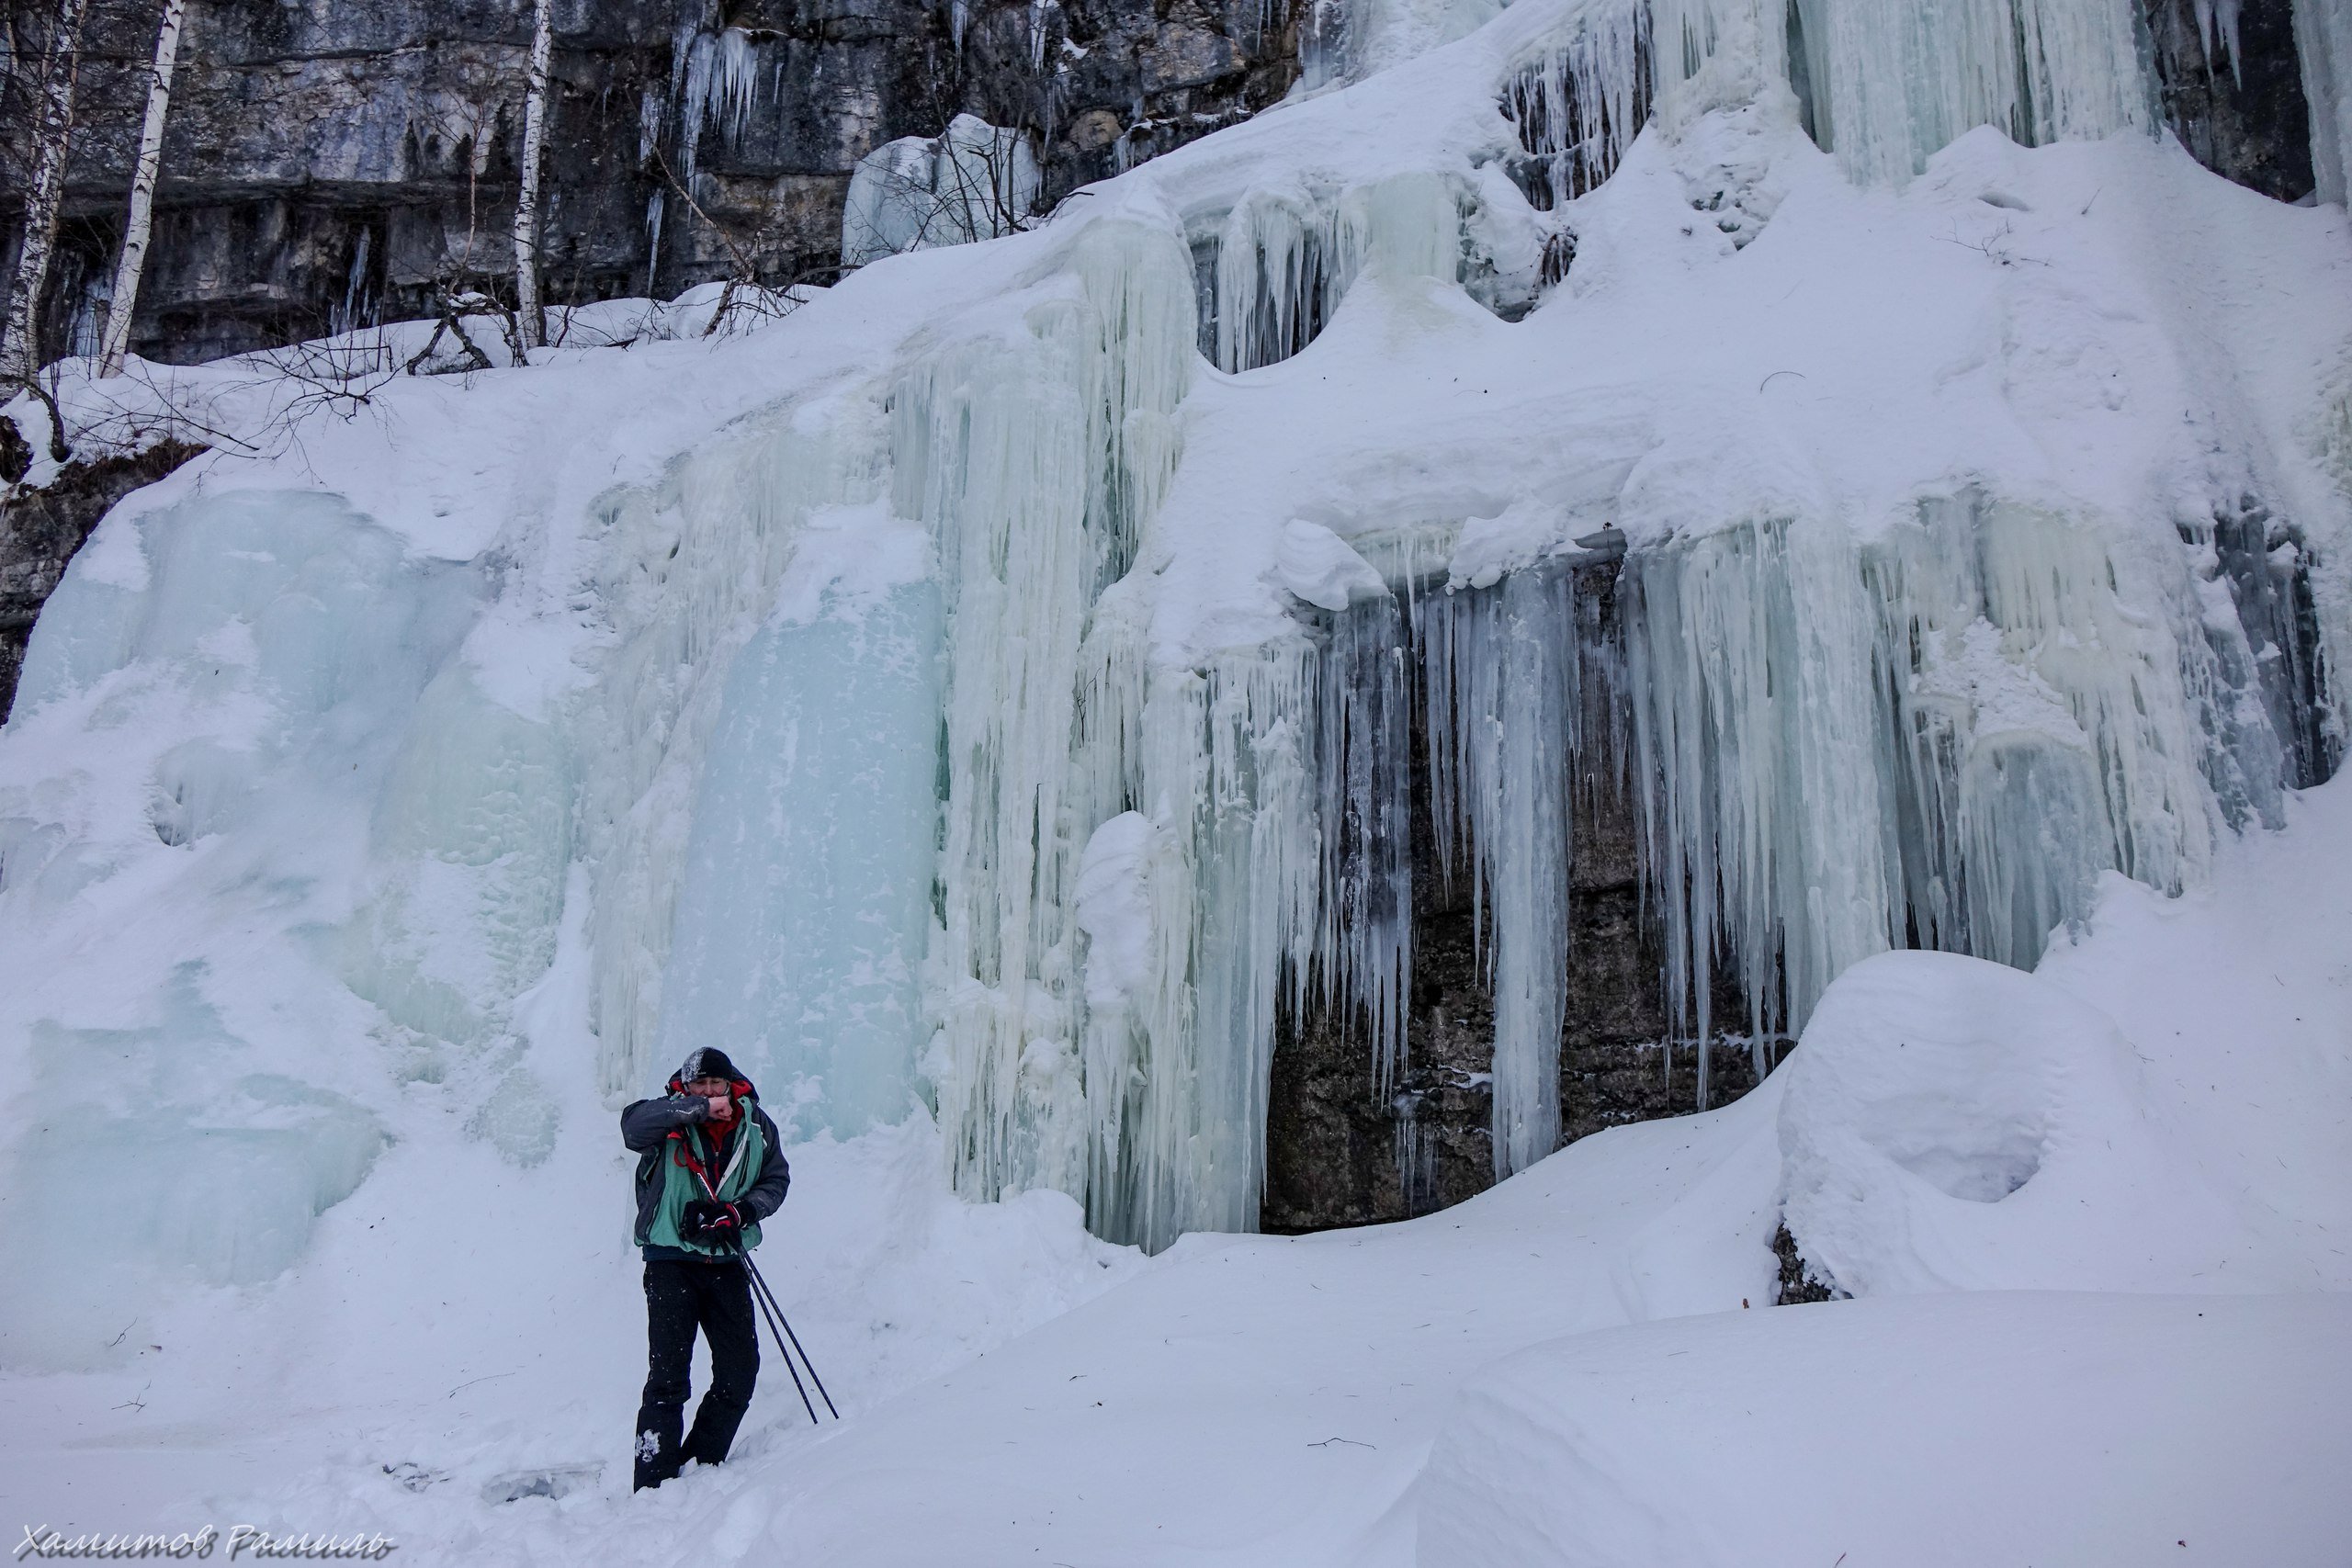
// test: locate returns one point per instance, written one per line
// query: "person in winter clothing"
(708, 1172)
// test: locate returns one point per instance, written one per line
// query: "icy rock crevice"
(1284, 258)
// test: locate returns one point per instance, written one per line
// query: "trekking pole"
(769, 1297)
(760, 1295)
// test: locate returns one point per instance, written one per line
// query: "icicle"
(1893, 83)
(1034, 463)
(2217, 31)
(358, 307)
(653, 209)
(650, 117)
(1040, 25)
(1416, 1156)
(1284, 260)
(2323, 46)
(714, 77)
(1504, 702)
(1363, 746)
(1579, 104)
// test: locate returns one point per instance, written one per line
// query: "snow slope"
(1992, 1426)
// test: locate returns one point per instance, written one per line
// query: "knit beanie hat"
(707, 1062)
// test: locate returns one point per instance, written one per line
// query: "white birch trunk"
(119, 309)
(529, 322)
(20, 332)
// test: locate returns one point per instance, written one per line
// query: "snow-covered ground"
(1579, 1365)
(929, 694)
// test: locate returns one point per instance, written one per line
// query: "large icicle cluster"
(1284, 259)
(1579, 104)
(714, 79)
(1033, 462)
(1882, 85)
(1893, 83)
(1504, 700)
(1938, 739)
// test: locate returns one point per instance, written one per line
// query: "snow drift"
(2002, 1425)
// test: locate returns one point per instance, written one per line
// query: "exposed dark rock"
(40, 529)
(1798, 1280)
(1341, 1152)
(2242, 116)
(328, 165)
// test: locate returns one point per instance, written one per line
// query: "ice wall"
(907, 725)
(211, 697)
(806, 894)
(685, 575)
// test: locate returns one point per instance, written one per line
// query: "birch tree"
(532, 323)
(125, 303)
(53, 136)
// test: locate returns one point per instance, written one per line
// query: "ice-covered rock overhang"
(991, 688)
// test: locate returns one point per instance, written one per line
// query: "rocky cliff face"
(40, 529)
(328, 161)
(2232, 89)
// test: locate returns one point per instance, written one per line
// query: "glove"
(713, 1224)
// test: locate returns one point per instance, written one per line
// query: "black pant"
(679, 1298)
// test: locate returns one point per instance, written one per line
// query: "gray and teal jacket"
(672, 1140)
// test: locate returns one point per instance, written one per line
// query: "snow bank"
(2009, 1426)
(1954, 1124)
(464, 1321)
